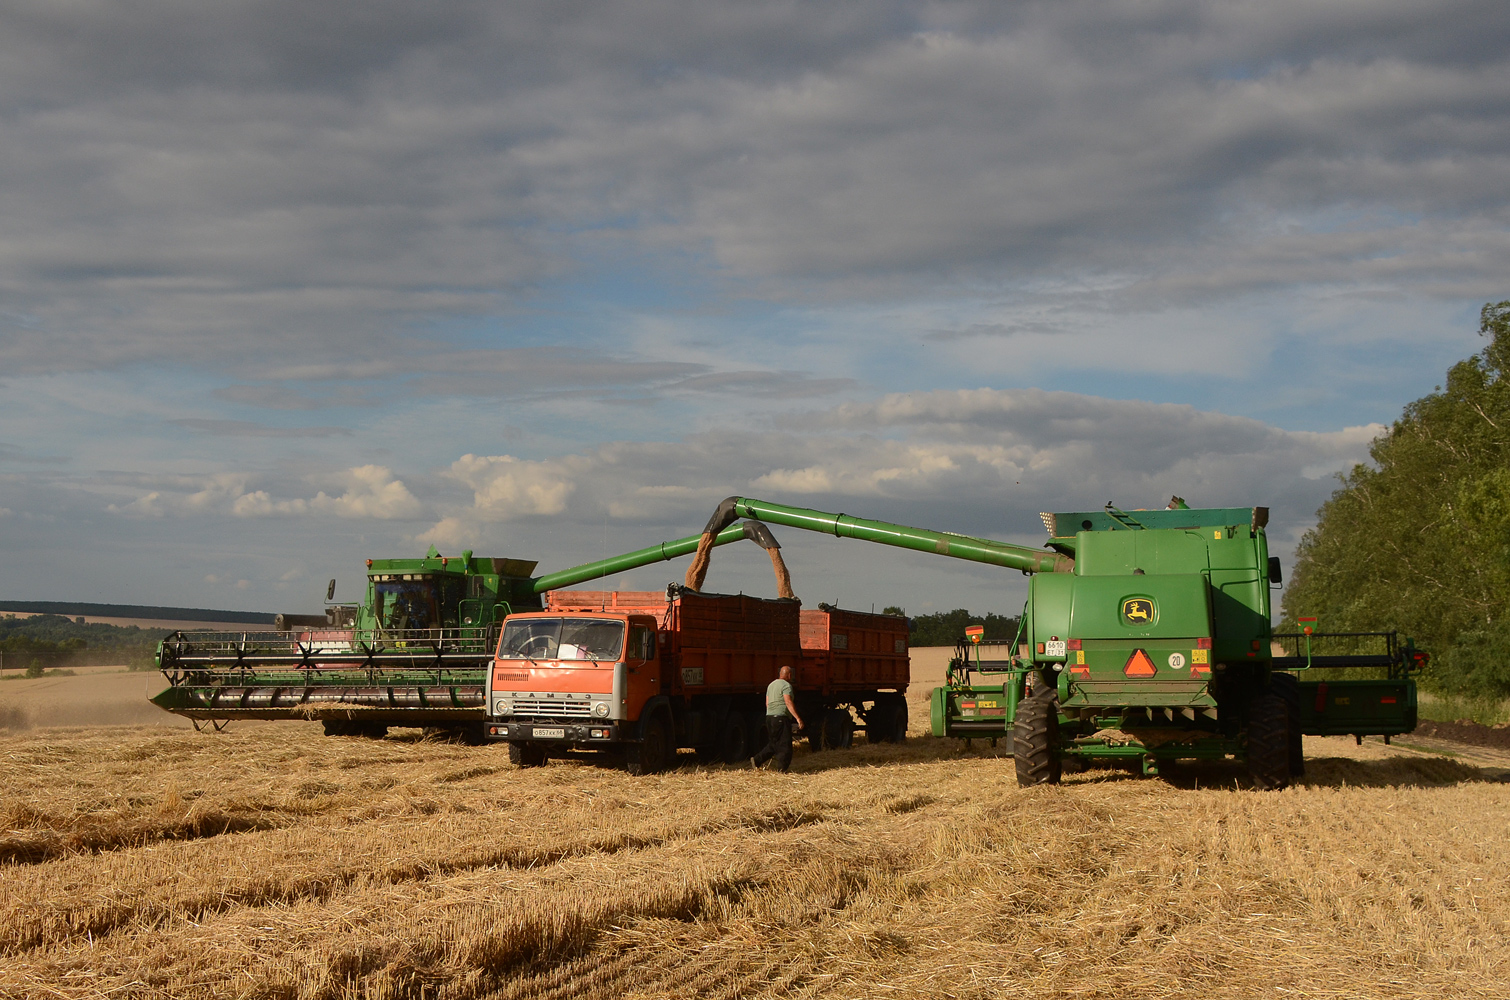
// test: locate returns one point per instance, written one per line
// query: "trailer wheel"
(735, 747)
(887, 722)
(526, 755)
(1288, 689)
(653, 752)
(838, 729)
(1269, 742)
(1035, 741)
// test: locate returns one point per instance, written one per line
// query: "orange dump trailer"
(646, 674)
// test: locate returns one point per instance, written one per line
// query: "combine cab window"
(406, 604)
(562, 639)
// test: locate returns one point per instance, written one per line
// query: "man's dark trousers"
(778, 742)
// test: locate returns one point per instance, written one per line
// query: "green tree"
(948, 627)
(1419, 540)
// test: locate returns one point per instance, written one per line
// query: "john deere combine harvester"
(415, 653)
(1145, 638)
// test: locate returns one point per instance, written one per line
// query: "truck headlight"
(600, 709)
(502, 707)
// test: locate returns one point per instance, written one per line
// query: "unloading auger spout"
(981, 550)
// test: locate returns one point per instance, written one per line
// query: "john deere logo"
(1138, 611)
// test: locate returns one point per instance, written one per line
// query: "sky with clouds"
(285, 285)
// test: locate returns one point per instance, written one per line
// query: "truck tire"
(653, 752)
(1287, 686)
(735, 747)
(838, 729)
(887, 722)
(526, 755)
(1269, 742)
(1035, 741)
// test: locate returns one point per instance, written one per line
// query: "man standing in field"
(780, 713)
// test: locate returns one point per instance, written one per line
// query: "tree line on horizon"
(1418, 539)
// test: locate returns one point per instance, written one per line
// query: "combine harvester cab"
(1146, 638)
(416, 652)
(644, 674)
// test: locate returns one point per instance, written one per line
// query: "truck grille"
(569, 707)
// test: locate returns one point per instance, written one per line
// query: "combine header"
(416, 652)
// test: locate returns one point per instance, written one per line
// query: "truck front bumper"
(545, 731)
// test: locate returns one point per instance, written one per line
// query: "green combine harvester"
(415, 653)
(1146, 638)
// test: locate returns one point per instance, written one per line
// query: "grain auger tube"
(416, 652)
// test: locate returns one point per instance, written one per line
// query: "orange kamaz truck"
(645, 674)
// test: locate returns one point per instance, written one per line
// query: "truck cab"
(572, 678)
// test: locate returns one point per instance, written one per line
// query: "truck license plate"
(549, 733)
(1054, 647)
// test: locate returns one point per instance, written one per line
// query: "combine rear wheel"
(1288, 689)
(1269, 742)
(1035, 741)
(526, 755)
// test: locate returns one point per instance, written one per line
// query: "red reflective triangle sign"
(1139, 665)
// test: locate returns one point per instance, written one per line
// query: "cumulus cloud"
(983, 458)
(371, 492)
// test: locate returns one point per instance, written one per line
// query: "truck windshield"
(562, 639)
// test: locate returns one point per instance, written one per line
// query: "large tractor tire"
(1269, 742)
(654, 750)
(1035, 741)
(838, 729)
(526, 755)
(887, 722)
(1288, 689)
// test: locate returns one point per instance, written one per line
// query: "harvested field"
(270, 861)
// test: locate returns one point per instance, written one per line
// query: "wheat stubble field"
(270, 861)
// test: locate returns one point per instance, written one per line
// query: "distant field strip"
(274, 862)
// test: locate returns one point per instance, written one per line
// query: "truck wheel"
(1035, 741)
(526, 755)
(1269, 742)
(736, 742)
(888, 722)
(838, 729)
(653, 752)
(1288, 689)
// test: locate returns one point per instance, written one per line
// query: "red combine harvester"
(644, 674)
